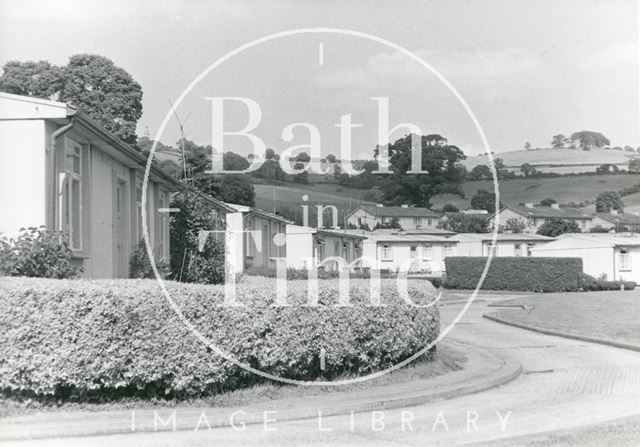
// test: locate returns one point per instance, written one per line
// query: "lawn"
(611, 315)
(446, 360)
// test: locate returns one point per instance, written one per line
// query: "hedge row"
(590, 284)
(98, 339)
(530, 274)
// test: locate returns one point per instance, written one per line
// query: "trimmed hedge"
(103, 339)
(531, 274)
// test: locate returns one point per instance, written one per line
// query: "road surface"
(565, 384)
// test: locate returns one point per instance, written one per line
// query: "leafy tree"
(331, 158)
(39, 79)
(548, 201)
(527, 146)
(480, 172)
(449, 208)
(464, 223)
(303, 157)
(634, 165)
(608, 201)
(439, 159)
(587, 139)
(513, 225)
(90, 82)
(269, 154)
(598, 229)
(484, 200)
(558, 141)
(629, 149)
(303, 177)
(556, 226)
(528, 170)
(236, 189)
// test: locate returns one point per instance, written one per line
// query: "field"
(562, 161)
(563, 189)
(289, 195)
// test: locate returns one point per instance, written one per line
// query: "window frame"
(71, 177)
(386, 253)
(624, 260)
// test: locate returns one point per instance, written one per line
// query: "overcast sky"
(528, 69)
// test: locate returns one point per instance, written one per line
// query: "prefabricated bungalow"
(409, 218)
(617, 221)
(616, 256)
(62, 170)
(416, 252)
(309, 248)
(534, 216)
(507, 244)
(264, 237)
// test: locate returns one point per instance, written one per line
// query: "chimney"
(614, 212)
(528, 205)
(404, 206)
(555, 206)
(379, 205)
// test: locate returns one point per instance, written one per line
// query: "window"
(427, 252)
(429, 222)
(72, 194)
(359, 221)
(417, 221)
(517, 250)
(413, 250)
(139, 235)
(384, 219)
(387, 254)
(249, 236)
(625, 259)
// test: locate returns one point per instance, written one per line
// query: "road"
(565, 384)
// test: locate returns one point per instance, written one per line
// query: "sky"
(527, 69)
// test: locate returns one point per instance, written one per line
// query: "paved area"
(565, 384)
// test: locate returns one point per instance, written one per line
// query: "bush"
(530, 274)
(590, 284)
(140, 265)
(101, 339)
(39, 253)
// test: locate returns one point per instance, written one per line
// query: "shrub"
(101, 339)
(37, 252)
(140, 265)
(590, 284)
(515, 273)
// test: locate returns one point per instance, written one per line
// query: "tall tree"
(587, 139)
(92, 83)
(558, 141)
(484, 200)
(439, 159)
(480, 172)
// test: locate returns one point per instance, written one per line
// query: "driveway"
(565, 384)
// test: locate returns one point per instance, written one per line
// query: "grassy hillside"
(557, 160)
(563, 189)
(290, 195)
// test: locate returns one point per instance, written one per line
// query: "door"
(266, 245)
(120, 230)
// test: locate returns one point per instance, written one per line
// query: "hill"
(562, 161)
(564, 189)
(287, 197)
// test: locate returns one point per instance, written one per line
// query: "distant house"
(417, 252)
(429, 231)
(617, 221)
(263, 237)
(309, 248)
(481, 244)
(409, 218)
(62, 170)
(534, 216)
(615, 255)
